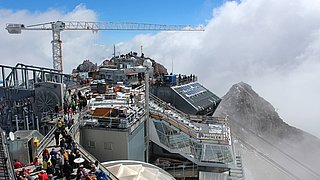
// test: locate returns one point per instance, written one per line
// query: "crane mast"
(58, 26)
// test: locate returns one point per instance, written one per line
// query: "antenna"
(141, 49)
(114, 50)
(172, 65)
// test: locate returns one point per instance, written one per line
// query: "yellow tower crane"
(58, 26)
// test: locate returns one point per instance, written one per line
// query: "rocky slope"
(86, 66)
(287, 152)
(244, 106)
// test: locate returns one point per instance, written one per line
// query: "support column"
(17, 123)
(27, 121)
(37, 122)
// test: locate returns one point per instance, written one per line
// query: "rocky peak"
(243, 105)
(86, 66)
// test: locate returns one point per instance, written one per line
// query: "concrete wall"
(19, 150)
(136, 144)
(105, 145)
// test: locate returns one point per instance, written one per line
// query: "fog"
(272, 45)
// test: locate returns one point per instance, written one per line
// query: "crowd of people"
(64, 160)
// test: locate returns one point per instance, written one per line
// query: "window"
(92, 144)
(108, 145)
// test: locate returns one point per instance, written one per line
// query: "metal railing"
(196, 134)
(196, 118)
(181, 170)
(7, 164)
(91, 158)
(45, 141)
(199, 135)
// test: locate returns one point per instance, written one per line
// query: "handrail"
(121, 122)
(197, 118)
(87, 155)
(7, 158)
(45, 141)
(187, 130)
(91, 158)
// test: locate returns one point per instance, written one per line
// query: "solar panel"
(191, 89)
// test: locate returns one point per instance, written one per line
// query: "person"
(131, 98)
(56, 136)
(127, 100)
(66, 118)
(62, 143)
(56, 110)
(54, 157)
(43, 175)
(45, 155)
(80, 172)
(50, 177)
(101, 176)
(59, 124)
(96, 165)
(50, 168)
(36, 161)
(73, 106)
(65, 155)
(25, 171)
(17, 164)
(65, 108)
(79, 94)
(67, 170)
(44, 165)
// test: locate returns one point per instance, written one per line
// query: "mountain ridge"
(268, 144)
(242, 104)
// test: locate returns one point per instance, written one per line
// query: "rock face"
(158, 68)
(257, 129)
(86, 66)
(243, 105)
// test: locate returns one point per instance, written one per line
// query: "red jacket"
(17, 164)
(43, 176)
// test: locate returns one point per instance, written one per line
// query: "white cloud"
(272, 45)
(34, 47)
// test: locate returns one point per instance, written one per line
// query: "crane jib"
(58, 26)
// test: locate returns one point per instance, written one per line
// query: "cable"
(286, 171)
(277, 148)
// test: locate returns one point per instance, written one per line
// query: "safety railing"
(6, 160)
(86, 155)
(199, 135)
(46, 140)
(195, 118)
(125, 122)
(181, 170)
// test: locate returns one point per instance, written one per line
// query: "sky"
(272, 45)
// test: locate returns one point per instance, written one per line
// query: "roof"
(132, 73)
(128, 169)
(196, 95)
(27, 134)
(101, 112)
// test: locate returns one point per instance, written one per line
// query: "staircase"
(6, 169)
(237, 173)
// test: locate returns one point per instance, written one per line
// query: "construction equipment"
(58, 26)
